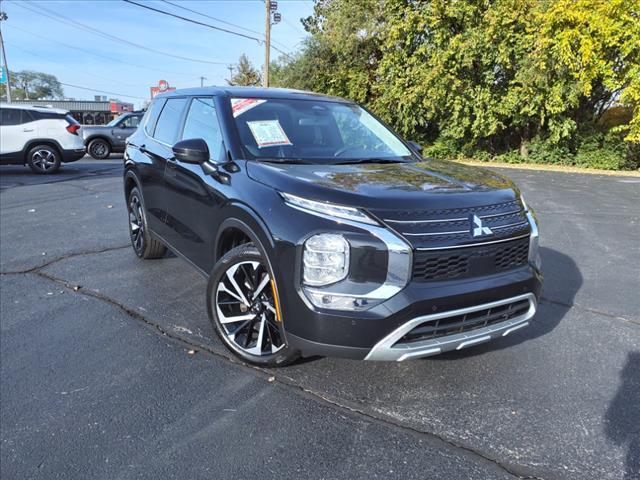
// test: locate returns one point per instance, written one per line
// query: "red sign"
(120, 107)
(163, 86)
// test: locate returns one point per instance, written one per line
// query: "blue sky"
(35, 33)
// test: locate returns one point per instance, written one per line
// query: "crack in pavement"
(107, 171)
(63, 257)
(544, 299)
(517, 471)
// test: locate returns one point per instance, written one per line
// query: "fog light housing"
(325, 259)
(334, 301)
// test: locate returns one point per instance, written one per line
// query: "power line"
(212, 18)
(221, 21)
(294, 26)
(13, 45)
(289, 56)
(89, 52)
(163, 12)
(102, 91)
(74, 23)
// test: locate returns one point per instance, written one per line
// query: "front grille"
(441, 267)
(447, 228)
(465, 322)
(512, 255)
(469, 262)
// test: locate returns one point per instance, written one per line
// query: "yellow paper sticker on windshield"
(268, 133)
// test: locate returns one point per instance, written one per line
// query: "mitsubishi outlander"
(322, 232)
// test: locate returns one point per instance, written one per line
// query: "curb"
(552, 168)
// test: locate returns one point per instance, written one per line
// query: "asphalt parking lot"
(97, 378)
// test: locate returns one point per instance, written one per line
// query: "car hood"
(438, 184)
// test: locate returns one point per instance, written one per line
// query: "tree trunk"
(524, 148)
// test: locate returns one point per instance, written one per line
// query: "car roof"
(253, 92)
(37, 108)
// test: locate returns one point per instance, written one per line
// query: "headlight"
(534, 238)
(325, 259)
(327, 209)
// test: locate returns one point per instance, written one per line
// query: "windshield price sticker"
(241, 105)
(268, 133)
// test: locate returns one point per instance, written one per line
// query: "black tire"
(142, 241)
(44, 159)
(274, 351)
(99, 149)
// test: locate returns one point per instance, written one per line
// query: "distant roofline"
(31, 106)
(59, 100)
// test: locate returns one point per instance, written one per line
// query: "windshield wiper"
(370, 160)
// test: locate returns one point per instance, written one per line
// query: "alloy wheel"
(44, 160)
(99, 149)
(136, 224)
(245, 305)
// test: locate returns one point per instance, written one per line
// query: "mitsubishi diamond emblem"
(477, 229)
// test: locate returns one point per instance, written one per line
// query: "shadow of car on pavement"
(622, 420)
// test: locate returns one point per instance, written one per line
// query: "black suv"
(322, 232)
(103, 140)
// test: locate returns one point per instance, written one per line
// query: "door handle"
(27, 129)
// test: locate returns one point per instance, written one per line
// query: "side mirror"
(416, 146)
(193, 150)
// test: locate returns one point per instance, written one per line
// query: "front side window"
(313, 131)
(131, 121)
(169, 121)
(202, 122)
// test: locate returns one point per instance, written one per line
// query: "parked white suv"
(40, 137)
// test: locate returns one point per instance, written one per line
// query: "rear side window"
(151, 117)
(40, 115)
(71, 120)
(202, 122)
(14, 116)
(168, 126)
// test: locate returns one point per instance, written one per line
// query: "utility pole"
(271, 7)
(267, 42)
(230, 68)
(3, 16)
(202, 79)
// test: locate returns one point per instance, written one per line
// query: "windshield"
(313, 131)
(113, 122)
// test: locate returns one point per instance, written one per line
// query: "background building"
(88, 112)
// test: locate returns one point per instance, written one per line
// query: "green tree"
(30, 85)
(523, 76)
(246, 74)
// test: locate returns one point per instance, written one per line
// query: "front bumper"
(390, 348)
(366, 333)
(374, 334)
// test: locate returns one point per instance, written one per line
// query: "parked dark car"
(322, 232)
(103, 140)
